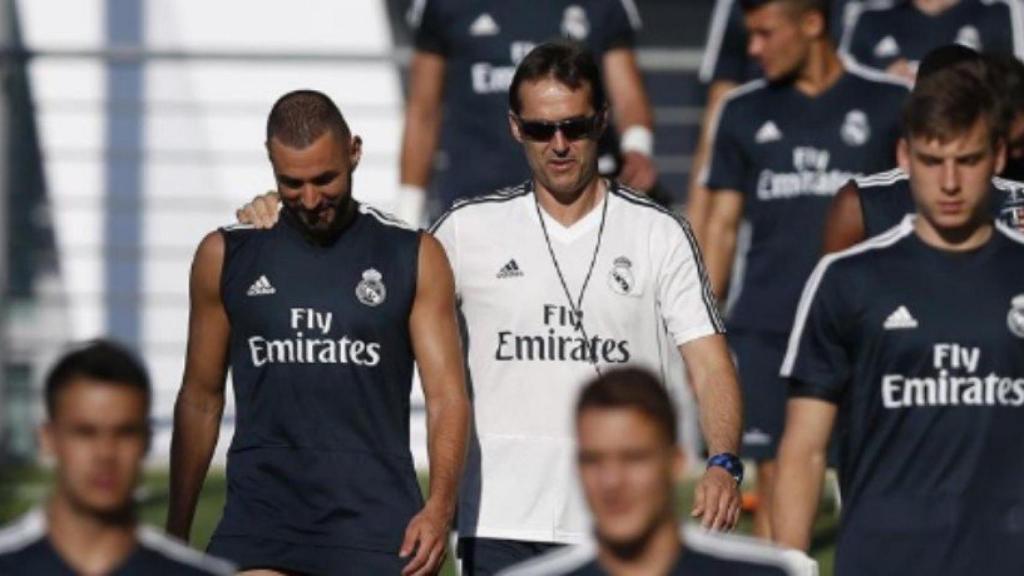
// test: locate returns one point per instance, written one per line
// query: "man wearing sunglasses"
(465, 54)
(558, 279)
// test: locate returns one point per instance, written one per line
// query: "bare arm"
(422, 123)
(801, 468)
(844, 224)
(625, 87)
(200, 403)
(698, 201)
(435, 338)
(723, 224)
(715, 384)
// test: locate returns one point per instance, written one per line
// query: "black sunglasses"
(572, 129)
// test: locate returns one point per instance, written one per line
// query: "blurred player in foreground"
(912, 345)
(97, 429)
(630, 465)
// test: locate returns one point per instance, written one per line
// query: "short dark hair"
(102, 360)
(300, 117)
(797, 6)
(947, 102)
(944, 57)
(1007, 73)
(567, 62)
(632, 388)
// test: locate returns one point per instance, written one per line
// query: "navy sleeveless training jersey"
(788, 154)
(482, 42)
(882, 32)
(26, 550)
(725, 54)
(885, 199)
(322, 365)
(923, 352)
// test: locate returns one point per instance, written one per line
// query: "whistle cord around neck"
(576, 307)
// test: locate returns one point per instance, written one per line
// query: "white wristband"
(409, 204)
(637, 139)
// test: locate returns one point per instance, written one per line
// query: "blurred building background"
(130, 128)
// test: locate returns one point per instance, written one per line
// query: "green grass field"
(21, 489)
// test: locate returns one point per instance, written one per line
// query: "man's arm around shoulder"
(200, 403)
(435, 339)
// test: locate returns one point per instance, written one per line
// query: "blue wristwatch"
(732, 464)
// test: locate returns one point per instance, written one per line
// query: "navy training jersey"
(883, 32)
(923, 352)
(704, 554)
(26, 550)
(322, 365)
(788, 154)
(482, 42)
(885, 199)
(725, 54)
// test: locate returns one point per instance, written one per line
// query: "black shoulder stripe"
(706, 293)
(503, 195)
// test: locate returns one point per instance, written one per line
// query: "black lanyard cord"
(576, 307)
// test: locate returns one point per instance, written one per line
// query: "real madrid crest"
(1015, 317)
(620, 279)
(575, 25)
(855, 130)
(371, 290)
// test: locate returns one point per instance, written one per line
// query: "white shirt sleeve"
(684, 294)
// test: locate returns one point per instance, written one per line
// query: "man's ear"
(1000, 151)
(44, 434)
(513, 126)
(355, 152)
(812, 23)
(903, 154)
(678, 464)
(605, 115)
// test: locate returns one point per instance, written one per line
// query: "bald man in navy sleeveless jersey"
(320, 319)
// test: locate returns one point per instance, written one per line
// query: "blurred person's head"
(628, 457)
(313, 154)
(97, 429)
(1007, 73)
(781, 34)
(558, 112)
(953, 143)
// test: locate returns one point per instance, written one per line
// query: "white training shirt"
(647, 294)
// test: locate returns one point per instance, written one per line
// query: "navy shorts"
(488, 556)
(250, 553)
(759, 357)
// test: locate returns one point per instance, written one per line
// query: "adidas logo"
(484, 25)
(886, 47)
(900, 320)
(510, 270)
(261, 287)
(769, 132)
